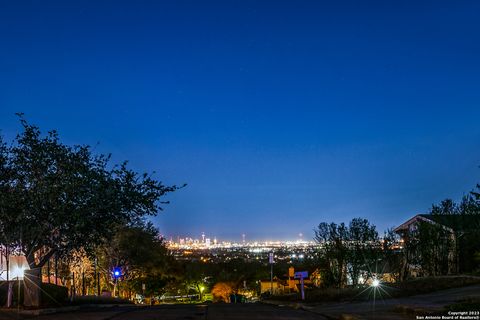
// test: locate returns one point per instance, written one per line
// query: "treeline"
(354, 253)
(444, 241)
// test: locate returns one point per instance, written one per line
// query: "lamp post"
(117, 273)
(271, 261)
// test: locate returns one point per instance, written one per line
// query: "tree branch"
(45, 258)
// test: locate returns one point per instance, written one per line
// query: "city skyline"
(242, 238)
(277, 117)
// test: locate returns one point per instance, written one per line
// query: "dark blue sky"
(278, 114)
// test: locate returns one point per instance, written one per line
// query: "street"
(384, 309)
(251, 311)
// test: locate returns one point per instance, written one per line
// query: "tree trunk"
(32, 282)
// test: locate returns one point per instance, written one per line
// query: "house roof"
(457, 222)
(454, 222)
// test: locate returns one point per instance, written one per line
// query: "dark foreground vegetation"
(384, 291)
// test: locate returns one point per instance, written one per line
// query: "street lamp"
(117, 273)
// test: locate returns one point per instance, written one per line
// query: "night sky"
(278, 115)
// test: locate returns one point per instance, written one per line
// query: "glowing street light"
(117, 273)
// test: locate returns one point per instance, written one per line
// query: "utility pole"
(271, 261)
(95, 277)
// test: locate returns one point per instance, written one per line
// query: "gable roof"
(457, 222)
(454, 222)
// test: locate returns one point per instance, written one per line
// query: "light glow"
(18, 273)
(375, 283)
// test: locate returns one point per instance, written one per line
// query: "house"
(455, 225)
(288, 284)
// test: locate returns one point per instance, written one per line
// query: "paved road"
(250, 311)
(384, 309)
(219, 312)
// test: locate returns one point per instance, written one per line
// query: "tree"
(434, 247)
(139, 252)
(447, 206)
(57, 198)
(464, 221)
(222, 290)
(362, 248)
(392, 256)
(476, 193)
(347, 250)
(333, 240)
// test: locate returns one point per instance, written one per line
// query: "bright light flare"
(375, 283)
(18, 273)
(117, 272)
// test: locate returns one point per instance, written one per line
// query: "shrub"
(82, 300)
(221, 291)
(4, 292)
(53, 295)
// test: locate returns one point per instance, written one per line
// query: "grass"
(393, 290)
(431, 284)
(471, 304)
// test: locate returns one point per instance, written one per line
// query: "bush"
(82, 300)
(53, 295)
(4, 292)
